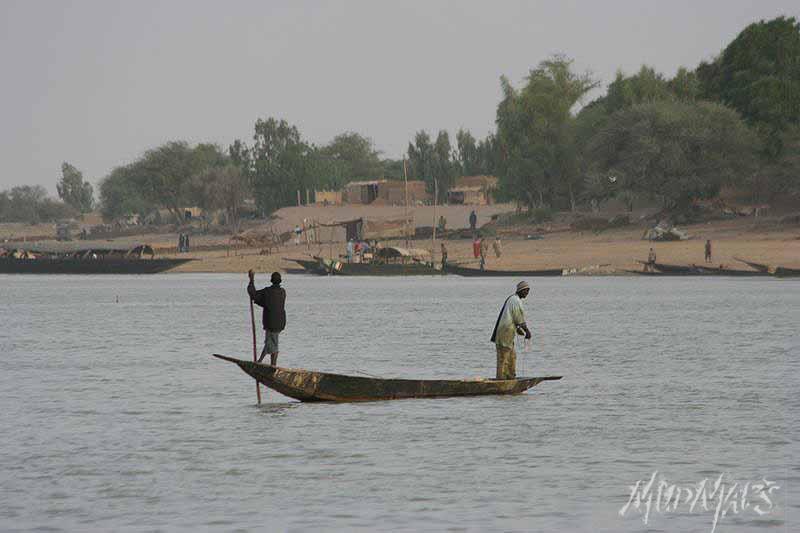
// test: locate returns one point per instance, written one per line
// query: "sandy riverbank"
(613, 251)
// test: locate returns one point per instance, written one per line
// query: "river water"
(115, 417)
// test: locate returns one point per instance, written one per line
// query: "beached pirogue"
(139, 259)
(310, 386)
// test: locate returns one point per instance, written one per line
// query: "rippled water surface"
(114, 416)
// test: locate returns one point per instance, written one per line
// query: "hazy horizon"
(97, 83)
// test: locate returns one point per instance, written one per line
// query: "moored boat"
(701, 270)
(388, 261)
(309, 266)
(476, 272)
(783, 272)
(139, 259)
(778, 272)
(757, 266)
(312, 386)
(79, 266)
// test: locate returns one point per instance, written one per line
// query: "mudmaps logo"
(722, 497)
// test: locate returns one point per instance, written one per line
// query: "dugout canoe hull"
(783, 272)
(365, 269)
(778, 272)
(478, 273)
(10, 265)
(701, 270)
(311, 386)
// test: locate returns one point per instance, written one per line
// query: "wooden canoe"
(701, 270)
(783, 272)
(778, 272)
(477, 272)
(757, 266)
(311, 386)
(323, 268)
(309, 265)
(9, 265)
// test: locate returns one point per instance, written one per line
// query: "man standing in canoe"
(510, 323)
(273, 300)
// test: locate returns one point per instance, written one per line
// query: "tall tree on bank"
(356, 156)
(120, 194)
(536, 132)
(758, 74)
(161, 178)
(444, 167)
(164, 174)
(420, 157)
(222, 187)
(73, 190)
(468, 157)
(281, 164)
(675, 151)
(645, 86)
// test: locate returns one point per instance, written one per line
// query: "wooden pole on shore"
(405, 205)
(433, 240)
(255, 357)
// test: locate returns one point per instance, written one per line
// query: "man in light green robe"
(510, 323)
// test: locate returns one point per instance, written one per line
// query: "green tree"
(161, 178)
(420, 157)
(675, 151)
(489, 156)
(443, 167)
(222, 187)
(120, 194)
(780, 176)
(685, 85)
(5, 206)
(162, 175)
(536, 132)
(392, 169)
(645, 86)
(25, 202)
(355, 155)
(282, 164)
(30, 204)
(468, 156)
(758, 74)
(73, 190)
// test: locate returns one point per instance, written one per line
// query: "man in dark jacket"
(273, 300)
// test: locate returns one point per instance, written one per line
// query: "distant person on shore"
(473, 220)
(498, 247)
(708, 251)
(444, 257)
(650, 266)
(297, 232)
(273, 300)
(510, 322)
(442, 224)
(476, 247)
(484, 251)
(350, 250)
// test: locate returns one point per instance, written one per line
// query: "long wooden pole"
(433, 239)
(255, 357)
(405, 205)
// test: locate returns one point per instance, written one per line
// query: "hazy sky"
(96, 83)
